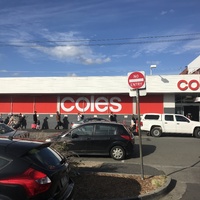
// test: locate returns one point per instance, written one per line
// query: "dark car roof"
(96, 122)
(19, 147)
(95, 118)
(101, 122)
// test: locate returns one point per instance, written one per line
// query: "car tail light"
(33, 181)
(126, 137)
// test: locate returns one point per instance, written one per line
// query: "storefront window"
(185, 104)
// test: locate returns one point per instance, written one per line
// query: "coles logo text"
(92, 104)
(184, 85)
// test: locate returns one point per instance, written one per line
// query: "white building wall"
(93, 85)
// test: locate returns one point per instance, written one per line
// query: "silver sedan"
(8, 132)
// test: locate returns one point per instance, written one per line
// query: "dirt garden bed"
(101, 185)
(111, 186)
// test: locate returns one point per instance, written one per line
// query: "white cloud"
(74, 54)
(151, 48)
(193, 45)
(64, 47)
(72, 74)
(165, 12)
(155, 62)
(173, 45)
(16, 74)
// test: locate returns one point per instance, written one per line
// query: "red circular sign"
(136, 80)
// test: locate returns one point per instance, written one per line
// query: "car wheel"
(197, 133)
(156, 132)
(117, 153)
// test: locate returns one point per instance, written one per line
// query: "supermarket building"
(101, 95)
(98, 96)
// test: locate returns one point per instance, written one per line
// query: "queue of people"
(16, 121)
(19, 121)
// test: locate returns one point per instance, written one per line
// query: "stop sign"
(136, 80)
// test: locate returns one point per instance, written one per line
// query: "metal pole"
(139, 133)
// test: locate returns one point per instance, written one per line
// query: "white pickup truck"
(156, 124)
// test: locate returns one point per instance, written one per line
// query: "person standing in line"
(35, 117)
(24, 122)
(58, 120)
(133, 122)
(45, 124)
(1, 118)
(65, 122)
(38, 124)
(11, 120)
(79, 117)
(113, 117)
(6, 120)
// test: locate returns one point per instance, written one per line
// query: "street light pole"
(151, 69)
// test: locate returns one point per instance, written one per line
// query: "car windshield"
(5, 129)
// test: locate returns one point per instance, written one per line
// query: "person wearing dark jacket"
(35, 117)
(45, 124)
(65, 122)
(113, 117)
(58, 120)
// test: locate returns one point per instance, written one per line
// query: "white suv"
(156, 124)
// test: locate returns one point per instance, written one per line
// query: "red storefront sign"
(72, 104)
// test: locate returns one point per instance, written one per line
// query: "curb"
(160, 192)
(155, 195)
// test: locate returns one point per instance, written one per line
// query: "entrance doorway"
(193, 111)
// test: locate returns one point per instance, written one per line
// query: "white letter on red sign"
(118, 105)
(84, 108)
(99, 102)
(63, 104)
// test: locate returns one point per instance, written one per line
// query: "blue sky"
(97, 37)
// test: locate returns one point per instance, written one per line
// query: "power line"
(140, 40)
(109, 39)
(101, 44)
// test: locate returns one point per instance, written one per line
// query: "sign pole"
(136, 81)
(139, 133)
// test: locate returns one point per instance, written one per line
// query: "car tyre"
(197, 133)
(156, 132)
(117, 153)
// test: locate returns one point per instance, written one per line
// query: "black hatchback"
(33, 171)
(100, 138)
